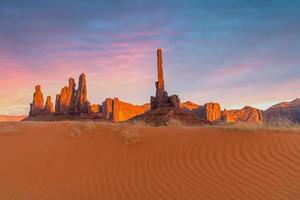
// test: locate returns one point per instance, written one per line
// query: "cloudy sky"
(235, 52)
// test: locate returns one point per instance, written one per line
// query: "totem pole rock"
(161, 98)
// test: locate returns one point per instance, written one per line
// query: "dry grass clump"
(129, 132)
(175, 123)
(79, 128)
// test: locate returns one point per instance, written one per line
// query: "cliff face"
(247, 114)
(126, 111)
(212, 112)
(117, 111)
(283, 112)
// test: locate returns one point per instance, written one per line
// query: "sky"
(235, 52)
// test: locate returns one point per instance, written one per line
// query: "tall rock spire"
(160, 84)
(161, 98)
(81, 104)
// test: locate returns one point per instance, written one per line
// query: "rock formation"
(107, 109)
(82, 105)
(57, 104)
(165, 109)
(37, 105)
(247, 114)
(212, 112)
(95, 108)
(64, 105)
(65, 101)
(117, 111)
(161, 98)
(48, 108)
(71, 96)
(283, 113)
(228, 117)
(193, 108)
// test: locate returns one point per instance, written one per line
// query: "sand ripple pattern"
(45, 162)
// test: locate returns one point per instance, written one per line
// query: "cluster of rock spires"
(69, 101)
(73, 103)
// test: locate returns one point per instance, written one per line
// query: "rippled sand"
(77, 160)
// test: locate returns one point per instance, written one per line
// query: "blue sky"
(234, 52)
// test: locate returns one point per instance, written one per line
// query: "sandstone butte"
(161, 109)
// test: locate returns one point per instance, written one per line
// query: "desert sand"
(88, 160)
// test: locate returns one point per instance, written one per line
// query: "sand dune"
(74, 160)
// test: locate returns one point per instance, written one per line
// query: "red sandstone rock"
(95, 108)
(212, 112)
(82, 105)
(124, 111)
(48, 108)
(161, 98)
(284, 113)
(228, 117)
(247, 114)
(57, 104)
(37, 105)
(107, 109)
(71, 96)
(64, 104)
(117, 111)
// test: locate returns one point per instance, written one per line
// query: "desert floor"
(86, 160)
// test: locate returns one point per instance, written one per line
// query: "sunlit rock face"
(65, 101)
(82, 105)
(95, 108)
(116, 110)
(247, 114)
(124, 111)
(283, 113)
(193, 108)
(107, 109)
(212, 112)
(48, 108)
(161, 98)
(37, 106)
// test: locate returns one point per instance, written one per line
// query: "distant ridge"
(11, 118)
(283, 112)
